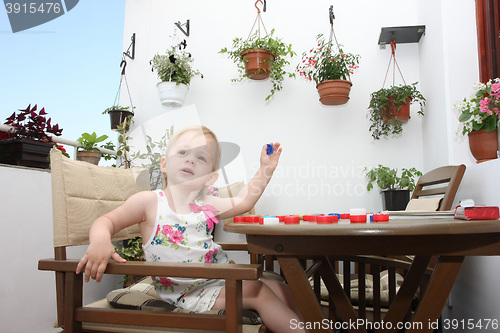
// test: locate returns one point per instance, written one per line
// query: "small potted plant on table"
(390, 108)
(330, 69)
(175, 72)
(396, 188)
(29, 143)
(479, 116)
(259, 58)
(88, 150)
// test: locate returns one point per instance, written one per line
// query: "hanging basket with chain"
(330, 67)
(261, 56)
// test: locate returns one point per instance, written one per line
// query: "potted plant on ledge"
(390, 108)
(88, 151)
(175, 72)
(259, 58)
(479, 116)
(396, 189)
(330, 69)
(30, 142)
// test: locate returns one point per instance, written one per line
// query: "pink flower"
(484, 106)
(176, 237)
(495, 90)
(209, 257)
(166, 282)
(157, 230)
(167, 230)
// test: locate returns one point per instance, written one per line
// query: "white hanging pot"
(171, 93)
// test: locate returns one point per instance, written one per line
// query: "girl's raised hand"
(270, 160)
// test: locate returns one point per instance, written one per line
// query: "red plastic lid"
(292, 219)
(281, 217)
(309, 218)
(327, 219)
(239, 219)
(380, 217)
(358, 218)
(252, 219)
(344, 216)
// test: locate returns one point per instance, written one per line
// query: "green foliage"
(174, 66)
(388, 179)
(270, 43)
(325, 62)
(90, 141)
(482, 110)
(117, 107)
(155, 150)
(131, 249)
(394, 95)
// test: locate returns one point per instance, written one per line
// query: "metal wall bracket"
(179, 25)
(131, 49)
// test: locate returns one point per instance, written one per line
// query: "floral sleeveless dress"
(186, 239)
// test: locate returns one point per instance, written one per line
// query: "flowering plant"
(30, 124)
(324, 63)
(174, 66)
(482, 110)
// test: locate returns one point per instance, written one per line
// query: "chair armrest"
(191, 270)
(228, 246)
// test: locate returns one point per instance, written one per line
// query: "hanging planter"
(258, 63)
(389, 107)
(334, 92)
(118, 115)
(483, 145)
(175, 72)
(172, 93)
(479, 116)
(259, 58)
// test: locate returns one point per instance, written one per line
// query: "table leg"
(302, 292)
(404, 297)
(438, 290)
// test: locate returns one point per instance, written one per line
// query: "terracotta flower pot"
(483, 145)
(90, 156)
(392, 115)
(258, 64)
(334, 92)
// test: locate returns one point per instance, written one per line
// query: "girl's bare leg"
(276, 314)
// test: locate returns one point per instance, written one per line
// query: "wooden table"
(447, 238)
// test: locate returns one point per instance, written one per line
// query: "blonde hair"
(214, 149)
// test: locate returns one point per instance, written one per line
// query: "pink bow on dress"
(208, 210)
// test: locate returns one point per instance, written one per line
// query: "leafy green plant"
(270, 43)
(383, 99)
(327, 62)
(130, 250)
(89, 141)
(116, 108)
(482, 110)
(387, 179)
(174, 66)
(155, 150)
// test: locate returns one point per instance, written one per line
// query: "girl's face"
(189, 161)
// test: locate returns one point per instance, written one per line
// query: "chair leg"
(233, 306)
(73, 298)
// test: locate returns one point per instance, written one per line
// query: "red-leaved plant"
(31, 125)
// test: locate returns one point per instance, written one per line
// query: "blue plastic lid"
(269, 149)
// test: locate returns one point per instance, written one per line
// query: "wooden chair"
(434, 190)
(81, 193)
(441, 182)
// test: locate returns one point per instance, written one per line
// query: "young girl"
(176, 226)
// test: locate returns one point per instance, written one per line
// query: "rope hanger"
(258, 20)
(394, 65)
(332, 33)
